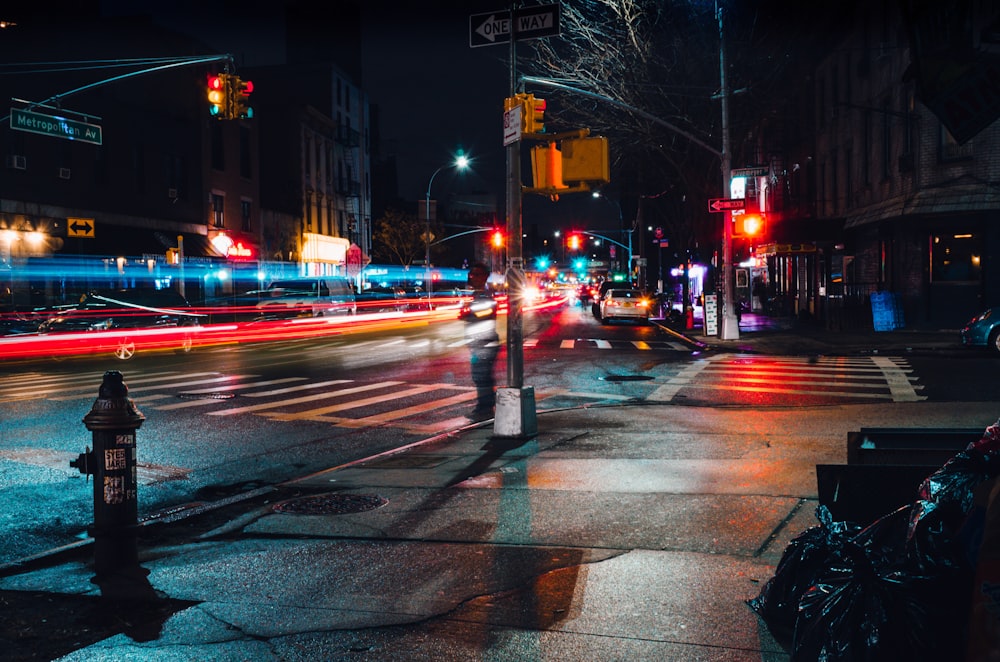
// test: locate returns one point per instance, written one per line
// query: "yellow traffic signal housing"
(585, 160)
(240, 96)
(217, 92)
(546, 167)
(532, 113)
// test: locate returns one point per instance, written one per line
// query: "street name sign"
(57, 127)
(494, 27)
(725, 204)
(755, 171)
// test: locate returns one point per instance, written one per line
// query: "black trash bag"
(878, 600)
(945, 501)
(805, 556)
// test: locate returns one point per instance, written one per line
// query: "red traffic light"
(496, 238)
(574, 242)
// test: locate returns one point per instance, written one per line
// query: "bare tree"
(399, 238)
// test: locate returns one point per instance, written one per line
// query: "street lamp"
(461, 162)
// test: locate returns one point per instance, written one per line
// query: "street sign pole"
(730, 328)
(514, 415)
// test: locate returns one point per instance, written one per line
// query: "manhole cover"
(331, 504)
(626, 378)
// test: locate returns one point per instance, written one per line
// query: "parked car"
(381, 300)
(320, 296)
(120, 321)
(625, 304)
(983, 330)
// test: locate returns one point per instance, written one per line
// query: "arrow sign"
(80, 227)
(725, 204)
(529, 23)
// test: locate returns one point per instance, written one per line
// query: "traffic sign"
(725, 204)
(755, 171)
(354, 258)
(55, 126)
(511, 125)
(80, 227)
(494, 27)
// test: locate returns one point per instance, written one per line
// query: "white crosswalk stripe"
(429, 408)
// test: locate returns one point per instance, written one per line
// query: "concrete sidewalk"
(616, 533)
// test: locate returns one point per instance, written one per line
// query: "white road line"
(899, 384)
(308, 398)
(685, 377)
(186, 382)
(234, 387)
(386, 417)
(300, 387)
(602, 344)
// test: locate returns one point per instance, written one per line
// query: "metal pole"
(427, 236)
(730, 328)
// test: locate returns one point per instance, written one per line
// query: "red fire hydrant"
(113, 419)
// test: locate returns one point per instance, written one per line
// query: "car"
(983, 330)
(120, 321)
(625, 304)
(319, 296)
(381, 300)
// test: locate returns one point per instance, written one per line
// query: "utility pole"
(730, 328)
(515, 415)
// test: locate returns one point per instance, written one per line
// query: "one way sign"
(529, 23)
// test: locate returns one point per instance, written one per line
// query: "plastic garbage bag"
(805, 556)
(871, 602)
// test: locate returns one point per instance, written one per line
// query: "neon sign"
(239, 252)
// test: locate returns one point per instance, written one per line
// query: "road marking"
(567, 344)
(308, 398)
(185, 382)
(683, 378)
(602, 344)
(641, 344)
(899, 384)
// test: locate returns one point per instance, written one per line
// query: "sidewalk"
(616, 533)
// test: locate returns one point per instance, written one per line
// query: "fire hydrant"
(113, 419)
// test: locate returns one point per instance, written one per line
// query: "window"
(245, 221)
(218, 210)
(949, 149)
(955, 256)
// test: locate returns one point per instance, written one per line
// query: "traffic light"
(173, 256)
(750, 226)
(218, 96)
(241, 90)
(574, 242)
(532, 113)
(496, 239)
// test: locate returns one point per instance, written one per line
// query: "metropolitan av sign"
(57, 127)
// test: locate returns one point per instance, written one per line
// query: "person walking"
(480, 316)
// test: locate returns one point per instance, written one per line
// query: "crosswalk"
(428, 408)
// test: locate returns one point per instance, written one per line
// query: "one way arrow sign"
(529, 23)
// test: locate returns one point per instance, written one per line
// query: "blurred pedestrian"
(480, 316)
